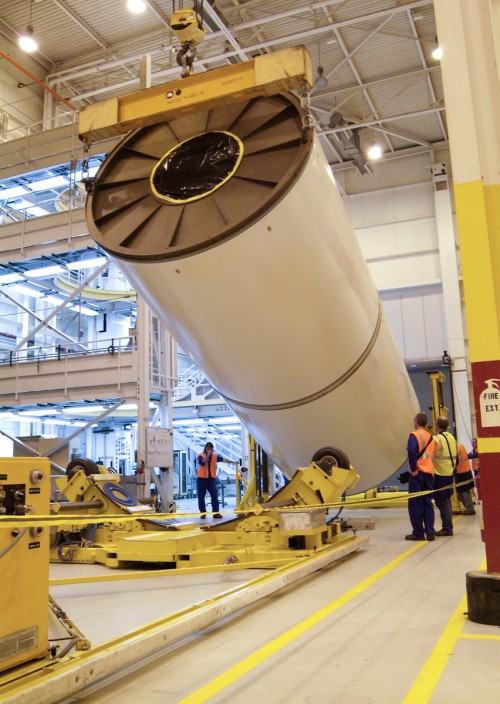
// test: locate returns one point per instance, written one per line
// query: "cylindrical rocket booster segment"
(229, 224)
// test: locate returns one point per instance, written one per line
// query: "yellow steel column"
(468, 33)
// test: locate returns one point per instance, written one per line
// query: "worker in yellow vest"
(445, 457)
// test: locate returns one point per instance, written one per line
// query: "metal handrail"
(40, 353)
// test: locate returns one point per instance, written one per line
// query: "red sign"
(486, 387)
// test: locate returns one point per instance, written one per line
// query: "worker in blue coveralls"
(420, 448)
(206, 478)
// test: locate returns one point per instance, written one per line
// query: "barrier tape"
(78, 520)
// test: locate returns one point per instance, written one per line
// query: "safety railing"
(38, 353)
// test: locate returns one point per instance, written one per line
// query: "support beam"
(468, 34)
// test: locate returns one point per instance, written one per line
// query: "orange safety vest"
(203, 470)
(462, 460)
(425, 463)
(475, 464)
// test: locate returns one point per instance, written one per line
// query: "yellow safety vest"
(443, 463)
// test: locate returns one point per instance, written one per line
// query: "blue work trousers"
(204, 485)
(442, 500)
(420, 509)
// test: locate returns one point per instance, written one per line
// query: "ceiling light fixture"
(47, 184)
(45, 272)
(137, 7)
(321, 81)
(87, 263)
(13, 192)
(437, 53)
(27, 41)
(10, 278)
(84, 310)
(374, 152)
(27, 291)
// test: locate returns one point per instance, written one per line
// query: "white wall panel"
(397, 233)
(391, 205)
(406, 271)
(403, 237)
(417, 320)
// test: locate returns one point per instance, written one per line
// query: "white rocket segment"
(276, 304)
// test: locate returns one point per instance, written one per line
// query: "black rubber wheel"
(88, 466)
(329, 457)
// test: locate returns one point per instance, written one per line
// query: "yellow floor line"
(234, 673)
(474, 636)
(430, 674)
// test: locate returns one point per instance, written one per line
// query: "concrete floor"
(384, 625)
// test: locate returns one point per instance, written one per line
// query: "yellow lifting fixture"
(187, 25)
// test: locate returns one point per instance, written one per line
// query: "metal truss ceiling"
(376, 56)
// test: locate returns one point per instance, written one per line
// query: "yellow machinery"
(24, 562)
(438, 408)
(187, 26)
(292, 524)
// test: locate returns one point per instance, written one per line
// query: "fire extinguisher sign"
(486, 384)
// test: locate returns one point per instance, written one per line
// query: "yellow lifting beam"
(277, 72)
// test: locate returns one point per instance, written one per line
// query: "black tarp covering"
(196, 166)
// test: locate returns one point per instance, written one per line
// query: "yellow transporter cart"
(24, 562)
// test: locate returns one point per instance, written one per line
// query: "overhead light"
(374, 152)
(37, 412)
(45, 271)
(53, 299)
(13, 192)
(133, 406)
(27, 291)
(320, 81)
(137, 7)
(76, 410)
(36, 210)
(10, 278)
(28, 419)
(224, 421)
(22, 205)
(87, 263)
(84, 310)
(46, 184)
(192, 421)
(27, 41)
(437, 53)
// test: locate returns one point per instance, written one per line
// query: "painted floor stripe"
(234, 673)
(430, 674)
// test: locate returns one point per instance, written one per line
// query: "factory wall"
(396, 229)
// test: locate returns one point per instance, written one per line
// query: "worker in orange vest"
(463, 473)
(206, 478)
(421, 447)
